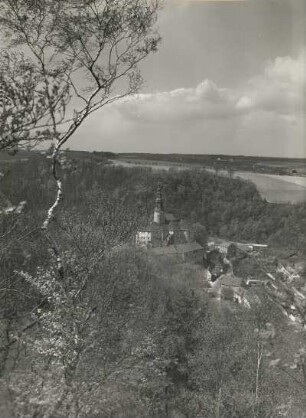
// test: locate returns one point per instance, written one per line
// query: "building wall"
(159, 217)
(160, 237)
(144, 237)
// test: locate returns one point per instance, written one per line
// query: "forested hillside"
(199, 321)
(122, 335)
(229, 208)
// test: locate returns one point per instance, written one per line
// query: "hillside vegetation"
(123, 334)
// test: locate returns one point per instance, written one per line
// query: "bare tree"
(25, 117)
(62, 61)
(82, 52)
(85, 47)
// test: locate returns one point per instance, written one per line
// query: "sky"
(229, 78)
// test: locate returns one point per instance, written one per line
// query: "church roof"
(184, 224)
(168, 222)
(173, 225)
(177, 249)
(169, 217)
(153, 226)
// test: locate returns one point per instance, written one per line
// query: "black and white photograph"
(152, 208)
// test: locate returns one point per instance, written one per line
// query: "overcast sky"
(229, 78)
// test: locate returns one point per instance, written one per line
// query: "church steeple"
(159, 215)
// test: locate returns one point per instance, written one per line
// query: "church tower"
(159, 215)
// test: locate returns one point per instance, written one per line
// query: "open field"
(278, 189)
(274, 188)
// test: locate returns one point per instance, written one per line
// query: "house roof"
(177, 249)
(241, 245)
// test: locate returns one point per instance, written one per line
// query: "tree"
(82, 325)
(62, 61)
(24, 102)
(200, 234)
(85, 52)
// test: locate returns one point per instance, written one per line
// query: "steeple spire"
(159, 216)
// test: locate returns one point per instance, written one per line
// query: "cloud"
(263, 116)
(278, 89)
(205, 101)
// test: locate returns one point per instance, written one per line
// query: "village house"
(223, 245)
(228, 287)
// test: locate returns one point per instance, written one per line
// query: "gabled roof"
(184, 224)
(153, 226)
(173, 225)
(177, 249)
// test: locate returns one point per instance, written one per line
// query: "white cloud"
(205, 101)
(265, 116)
(279, 89)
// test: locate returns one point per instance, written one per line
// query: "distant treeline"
(267, 165)
(211, 157)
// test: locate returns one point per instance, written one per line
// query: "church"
(167, 235)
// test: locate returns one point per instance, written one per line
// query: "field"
(278, 189)
(275, 188)
(281, 189)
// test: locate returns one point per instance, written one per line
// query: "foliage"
(123, 334)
